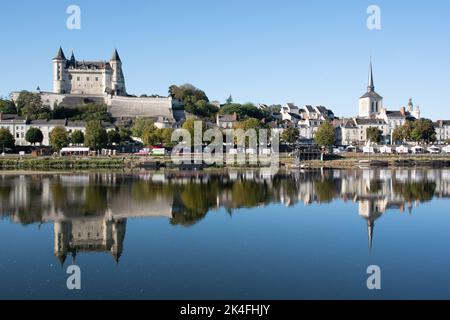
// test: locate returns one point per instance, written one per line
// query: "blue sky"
(307, 52)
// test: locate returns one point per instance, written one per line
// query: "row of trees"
(418, 131)
(96, 137)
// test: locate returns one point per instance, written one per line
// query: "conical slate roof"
(60, 55)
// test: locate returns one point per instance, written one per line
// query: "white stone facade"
(88, 77)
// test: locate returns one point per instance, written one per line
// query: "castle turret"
(117, 79)
(59, 72)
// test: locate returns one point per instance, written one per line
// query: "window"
(96, 78)
(17, 135)
(87, 79)
(78, 78)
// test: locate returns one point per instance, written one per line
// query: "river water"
(252, 234)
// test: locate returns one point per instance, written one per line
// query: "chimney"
(403, 111)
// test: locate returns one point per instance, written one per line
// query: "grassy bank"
(60, 163)
(128, 162)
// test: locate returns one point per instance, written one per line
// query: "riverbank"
(155, 163)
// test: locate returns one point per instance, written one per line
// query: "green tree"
(245, 111)
(326, 135)
(229, 100)
(151, 137)
(290, 135)
(125, 134)
(141, 125)
(59, 138)
(423, 131)
(29, 104)
(7, 107)
(114, 137)
(77, 137)
(6, 139)
(34, 135)
(96, 136)
(374, 134)
(166, 137)
(397, 135)
(194, 100)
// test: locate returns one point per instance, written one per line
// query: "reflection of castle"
(90, 211)
(89, 235)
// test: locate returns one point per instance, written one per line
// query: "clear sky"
(278, 51)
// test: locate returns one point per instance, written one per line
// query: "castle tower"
(117, 78)
(62, 231)
(59, 72)
(371, 102)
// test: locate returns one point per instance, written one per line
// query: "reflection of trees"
(190, 198)
(250, 194)
(326, 189)
(415, 190)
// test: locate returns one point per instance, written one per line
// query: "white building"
(19, 126)
(371, 102)
(442, 128)
(88, 77)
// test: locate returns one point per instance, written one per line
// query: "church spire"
(371, 87)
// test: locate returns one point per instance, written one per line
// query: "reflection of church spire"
(370, 227)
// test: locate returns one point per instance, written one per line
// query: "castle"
(88, 77)
(78, 82)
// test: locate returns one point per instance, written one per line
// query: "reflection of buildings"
(89, 235)
(90, 211)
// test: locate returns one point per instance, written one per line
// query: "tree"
(374, 134)
(6, 139)
(397, 135)
(189, 125)
(150, 137)
(7, 107)
(229, 100)
(423, 131)
(245, 111)
(326, 135)
(77, 137)
(29, 104)
(96, 136)
(59, 138)
(166, 137)
(290, 135)
(34, 135)
(125, 134)
(113, 137)
(194, 100)
(141, 125)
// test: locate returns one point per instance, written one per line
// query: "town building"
(307, 119)
(19, 126)
(226, 121)
(442, 128)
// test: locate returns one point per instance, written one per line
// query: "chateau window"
(96, 78)
(87, 79)
(78, 78)
(17, 135)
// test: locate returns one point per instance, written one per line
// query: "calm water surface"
(231, 235)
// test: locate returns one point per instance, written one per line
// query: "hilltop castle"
(78, 82)
(88, 77)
